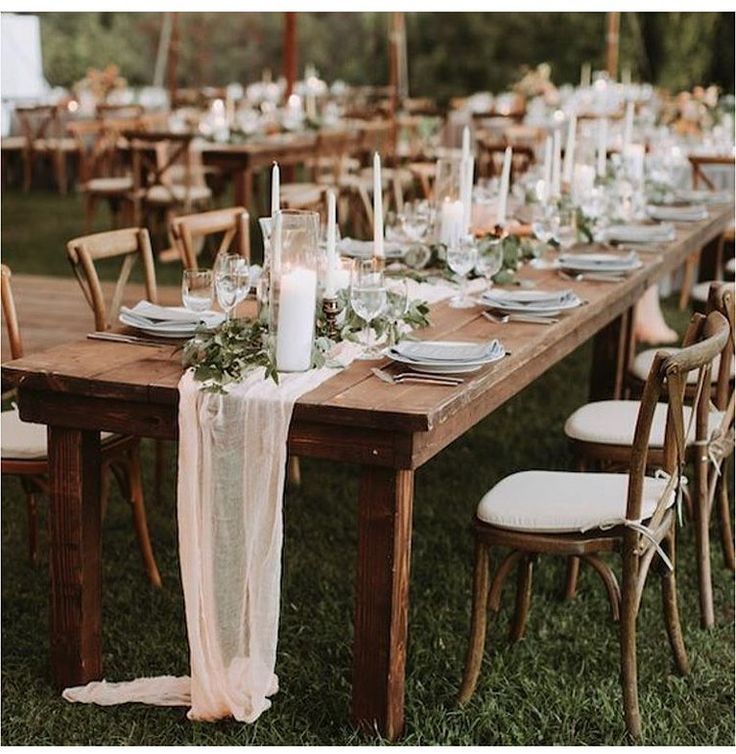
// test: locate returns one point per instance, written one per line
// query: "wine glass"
(461, 258)
(196, 290)
(232, 281)
(397, 303)
(368, 297)
(490, 260)
(545, 222)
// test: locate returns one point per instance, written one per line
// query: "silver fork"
(596, 277)
(419, 377)
(502, 319)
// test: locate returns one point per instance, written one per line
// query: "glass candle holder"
(449, 209)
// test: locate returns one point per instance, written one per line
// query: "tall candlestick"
(377, 207)
(275, 189)
(557, 164)
(276, 221)
(547, 174)
(331, 251)
(628, 124)
(503, 191)
(570, 149)
(633, 159)
(452, 215)
(585, 74)
(626, 76)
(583, 181)
(602, 146)
(466, 143)
(468, 166)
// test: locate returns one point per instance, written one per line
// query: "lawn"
(559, 685)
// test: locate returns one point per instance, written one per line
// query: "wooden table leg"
(611, 349)
(75, 555)
(382, 599)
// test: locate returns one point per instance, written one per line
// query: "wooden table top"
(354, 397)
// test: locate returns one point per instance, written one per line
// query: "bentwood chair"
(24, 455)
(587, 514)
(190, 231)
(602, 434)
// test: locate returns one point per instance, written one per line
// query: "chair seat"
(111, 185)
(643, 363)
(557, 502)
(731, 266)
(700, 291)
(13, 143)
(24, 441)
(64, 144)
(614, 422)
(177, 194)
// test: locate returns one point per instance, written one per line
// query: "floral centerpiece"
(100, 83)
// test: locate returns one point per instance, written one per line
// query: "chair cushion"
(700, 292)
(65, 144)
(643, 363)
(731, 266)
(111, 185)
(13, 142)
(23, 440)
(563, 501)
(614, 422)
(177, 193)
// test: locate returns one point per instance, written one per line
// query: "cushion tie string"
(638, 526)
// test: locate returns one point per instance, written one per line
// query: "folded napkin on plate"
(528, 298)
(640, 233)
(433, 351)
(153, 315)
(599, 260)
(689, 213)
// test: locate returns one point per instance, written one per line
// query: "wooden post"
(75, 556)
(614, 20)
(393, 60)
(382, 599)
(290, 52)
(173, 59)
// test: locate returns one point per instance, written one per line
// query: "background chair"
(584, 514)
(190, 231)
(24, 455)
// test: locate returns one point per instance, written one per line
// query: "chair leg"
(671, 610)
(571, 580)
(139, 517)
(628, 660)
(32, 511)
(27, 171)
(295, 471)
(702, 549)
(523, 597)
(60, 169)
(478, 621)
(159, 468)
(90, 203)
(724, 513)
(688, 280)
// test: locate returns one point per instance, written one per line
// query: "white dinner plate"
(445, 367)
(542, 308)
(599, 263)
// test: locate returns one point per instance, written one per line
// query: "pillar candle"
(452, 217)
(275, 189)
(585, 74)
(572, 127)
(503, 192)
(377, 207)
(633, 159)
(628, 124)
(297, 303)
(557, 164)
(331, 247)
(466, 143)
(602, 146)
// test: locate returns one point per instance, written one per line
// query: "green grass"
(559, 685)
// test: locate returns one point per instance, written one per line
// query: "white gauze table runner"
(232, 459)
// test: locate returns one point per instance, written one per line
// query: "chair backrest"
(705, 339)
(188, 230)
(131, 244)
(40, 122)
(699, 162)
(9, 314)
(721, 299)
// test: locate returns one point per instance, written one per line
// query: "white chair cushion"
(643, 363)
(614, 422)
(700, 291)
(111, 185)
(731, 266)
(177, 193)
(563, 501)
(25, 441)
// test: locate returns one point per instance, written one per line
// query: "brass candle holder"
(331, 309)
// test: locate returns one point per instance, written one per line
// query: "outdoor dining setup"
(286, 300)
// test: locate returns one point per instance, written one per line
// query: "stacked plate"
(167, 321)
(538, 303)
(688, 213)
(606, 264)
(641, 233)
(350, 247)
(446, 356)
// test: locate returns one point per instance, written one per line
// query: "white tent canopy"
(21, 71)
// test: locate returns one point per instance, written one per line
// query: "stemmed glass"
(368, 297)
(490, 260)
(397, 302)
(232, 281)
(461, 260)
(196, 290)
(545, 223)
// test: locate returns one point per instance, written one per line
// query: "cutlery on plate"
(417, 377)
(593, 277)
(502, 319)
(134, 339)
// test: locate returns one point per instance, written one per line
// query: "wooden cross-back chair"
(132, 245)
(491, 154)
(602, 433)
(107, 111)
(587, 514)
(24, 455)
(699, 292)
(189, 231)
(45, 138)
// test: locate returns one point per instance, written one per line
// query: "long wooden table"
(84, 387)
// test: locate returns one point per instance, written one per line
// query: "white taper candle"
(572, 128)
(331, 245)
(275, 189)
(557, 163)
(503, 191)
(602, 146)
(377, 207)
(628, 124)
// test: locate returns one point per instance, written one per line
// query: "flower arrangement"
(691, 113)
(100, 83)
(536, 82)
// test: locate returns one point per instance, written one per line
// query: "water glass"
(461, 259)
(368, 297)
(397, 303)
(196, 290)
(490, 260)
(545, 222)
(232, 281)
